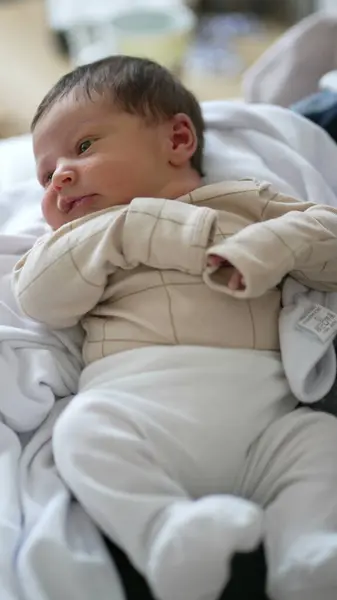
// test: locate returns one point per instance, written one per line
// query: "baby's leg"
(105, 453)
(292, 472)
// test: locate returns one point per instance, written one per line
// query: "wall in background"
(330, 5)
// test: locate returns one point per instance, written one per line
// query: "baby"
(183, 443)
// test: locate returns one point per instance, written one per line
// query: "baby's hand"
(236, 280)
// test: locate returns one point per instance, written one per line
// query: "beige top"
(138, 276)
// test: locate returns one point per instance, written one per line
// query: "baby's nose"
(63, 177)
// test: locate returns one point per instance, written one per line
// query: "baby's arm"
(168, 234)
(292, 237)
(65, 274)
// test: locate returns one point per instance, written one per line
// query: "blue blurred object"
(213, 48)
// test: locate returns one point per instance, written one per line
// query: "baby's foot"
(309, 571)
(191, 555)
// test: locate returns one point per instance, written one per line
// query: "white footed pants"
(184, 456)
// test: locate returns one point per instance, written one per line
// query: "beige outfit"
(137, 276)
(185, 454)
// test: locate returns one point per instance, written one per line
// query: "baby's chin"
(62, 219)
(84, 209)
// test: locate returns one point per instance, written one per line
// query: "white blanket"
(49, 548)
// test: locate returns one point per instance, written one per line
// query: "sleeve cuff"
(168, 234)
(263, 264)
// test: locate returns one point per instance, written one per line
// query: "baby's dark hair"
(138, 86)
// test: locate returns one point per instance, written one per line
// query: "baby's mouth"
(66, 205)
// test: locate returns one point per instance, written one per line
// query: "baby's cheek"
(49, 209)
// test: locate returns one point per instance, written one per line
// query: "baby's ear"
(183, 140)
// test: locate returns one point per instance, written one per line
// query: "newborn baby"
(184, 443)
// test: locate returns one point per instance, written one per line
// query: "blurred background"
(208, 43)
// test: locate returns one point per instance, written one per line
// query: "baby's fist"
(236, 280)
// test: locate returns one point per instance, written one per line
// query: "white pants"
(184, 456)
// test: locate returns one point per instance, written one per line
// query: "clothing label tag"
(320, 321)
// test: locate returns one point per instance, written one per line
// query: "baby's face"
(91, 156)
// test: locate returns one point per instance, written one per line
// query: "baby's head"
(113, 130)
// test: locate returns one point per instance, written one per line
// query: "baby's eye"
(48, 178)
(84, 146)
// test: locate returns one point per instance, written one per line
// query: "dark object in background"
(61, 44)
(258, 7)
(321, 108)
(287, 11)
(247, 582)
